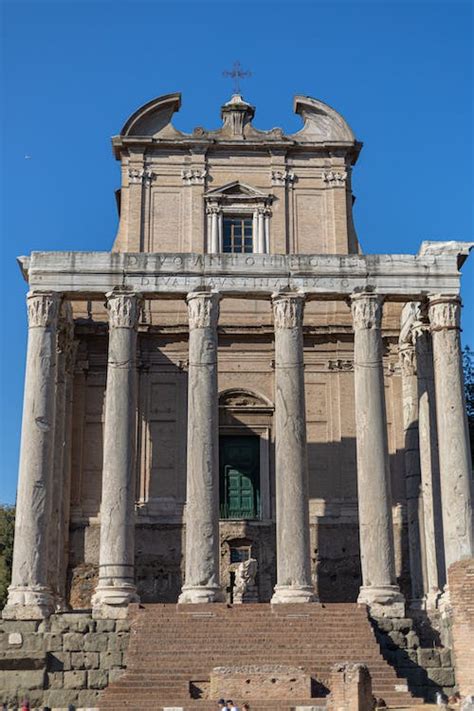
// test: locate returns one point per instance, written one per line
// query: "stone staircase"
(173, 650)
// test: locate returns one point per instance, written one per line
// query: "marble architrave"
(402, 277)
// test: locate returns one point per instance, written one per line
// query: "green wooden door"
(239, 466)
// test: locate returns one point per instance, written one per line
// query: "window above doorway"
(238, 219)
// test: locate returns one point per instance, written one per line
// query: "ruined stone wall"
(67, 659)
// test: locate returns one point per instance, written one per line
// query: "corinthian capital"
(288, 310)
(444, 312)
(124, 308)
(366, 311)
(407, 359)
(203, 309)
(43, 308)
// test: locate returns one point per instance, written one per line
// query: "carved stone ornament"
(143, 175)
(194, 176)
(213, 210)
(445, 312)
(335, 178)
(342, 365)
(43, 309)
(283, 177)
(203, 310)
(245, 576)
(407, 360)
(288, 310)
(124, 309)
(366, 311)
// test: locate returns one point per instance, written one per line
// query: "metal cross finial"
(237, 73)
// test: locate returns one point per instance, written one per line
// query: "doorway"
(239, 477)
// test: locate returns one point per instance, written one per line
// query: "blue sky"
(72, 72)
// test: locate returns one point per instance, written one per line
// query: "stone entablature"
(398, 277)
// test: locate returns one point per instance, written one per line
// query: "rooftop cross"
(237, 73)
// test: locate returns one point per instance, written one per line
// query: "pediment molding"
(238, 193)
(238, 399)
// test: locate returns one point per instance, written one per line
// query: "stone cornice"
(92, 274)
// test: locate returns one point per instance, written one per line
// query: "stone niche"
(268, 681)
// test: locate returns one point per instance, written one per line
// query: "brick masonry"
(461, 589)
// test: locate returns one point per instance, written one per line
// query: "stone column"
(213, 246)
(429, 461)
(260, 245)
(29, 595)
(292, 506)
(116, 587)
(453, 440)
(412, 465)
(56, 528)
(379, 589)
(202, 496)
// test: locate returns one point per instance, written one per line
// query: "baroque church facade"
(236, 381)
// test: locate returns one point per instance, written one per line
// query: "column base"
(284, 594)
(112, 601)
(195, 594)
(28, 603)
(432, 599)
(383, 600)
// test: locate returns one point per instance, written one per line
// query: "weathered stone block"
(118, 643)
(267, 681)
(59, 698)
(97, 679)
(351, 688)
(75, 679)
(402, 625)
(74, 622)
(115, 674)
(445, 658)
(22, 681)
(412, 640)
(428, 658)
(122, 626)
(15, 639)
(73, 642)
(58, 661)
(385, 624)
(87, 698)
(398, 639)
(106, 625)
(23, 626)
(53, 642)
(55, 680)
(85, 660)
(442, 677)
(95, 642)
(110, 660)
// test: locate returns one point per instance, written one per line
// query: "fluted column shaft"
(453, 440)
(291, 464)
(202, 495)
(29, 595)
(116, 587)
(379, 589)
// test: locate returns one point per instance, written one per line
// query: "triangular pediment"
(237, 189)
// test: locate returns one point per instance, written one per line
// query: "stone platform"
(174, 650)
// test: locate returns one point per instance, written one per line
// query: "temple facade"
(236, 381)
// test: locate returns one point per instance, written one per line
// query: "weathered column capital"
(124, 308)
(444, 312)
(407, 359)
(288, 310)
(43, 308)
(366, 310)
(203, 309)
